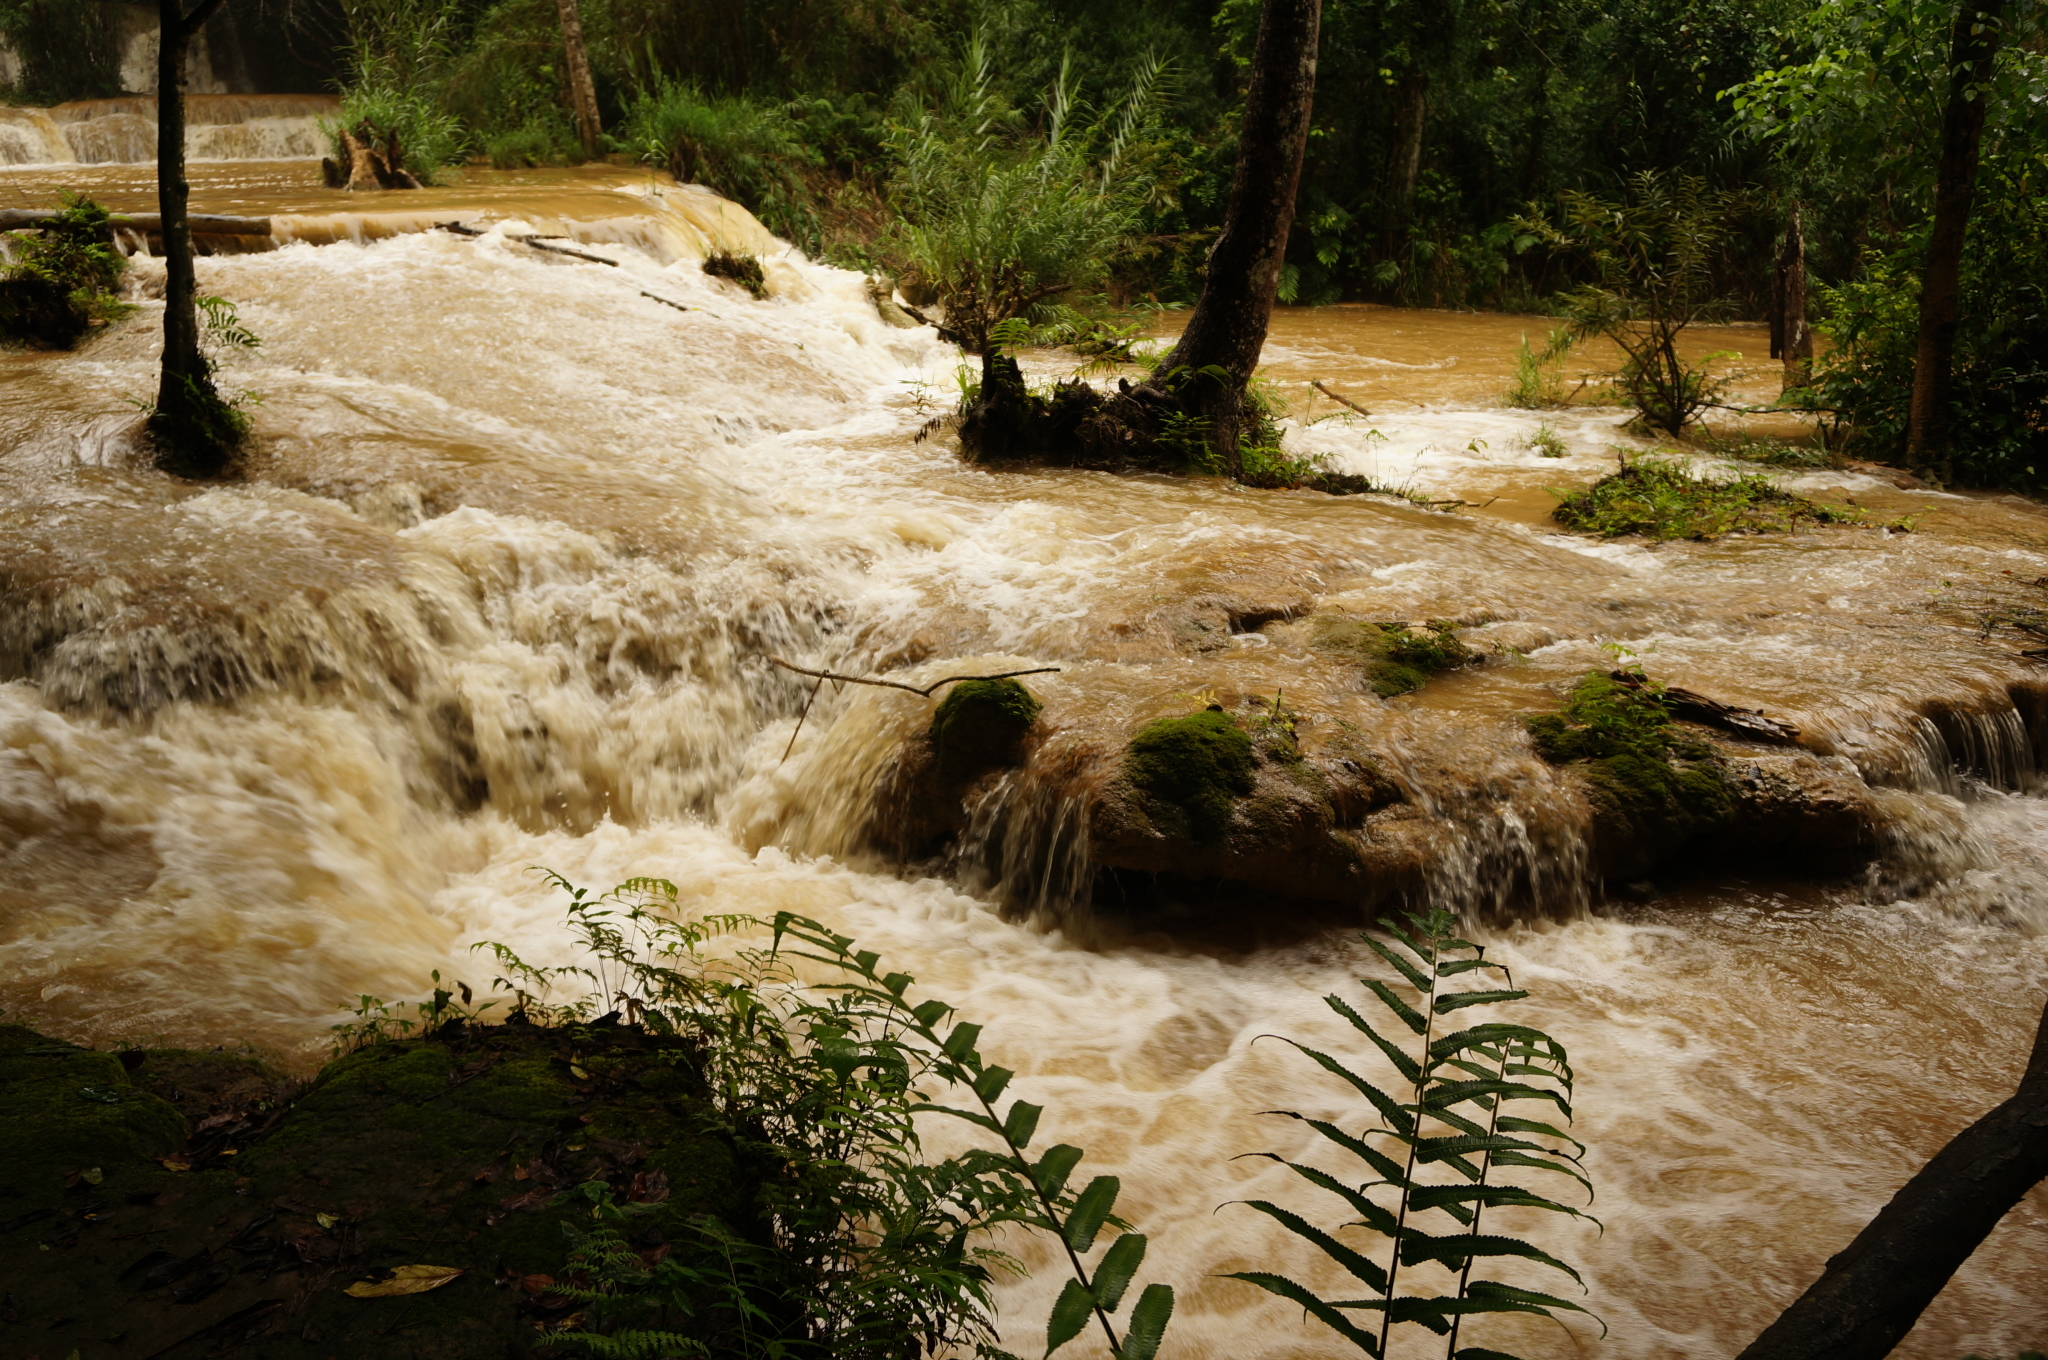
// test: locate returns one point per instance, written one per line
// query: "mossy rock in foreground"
(980, 725)
(1397, 659)
(120, 1237)
(1190, 771)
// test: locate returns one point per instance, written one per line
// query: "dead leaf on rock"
(404, 1280)
(536, 1284)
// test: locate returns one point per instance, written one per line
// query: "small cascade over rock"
(122, 130)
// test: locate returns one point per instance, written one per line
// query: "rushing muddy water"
(495, 593)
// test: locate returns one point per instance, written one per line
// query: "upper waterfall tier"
(220, 127)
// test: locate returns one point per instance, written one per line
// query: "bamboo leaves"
(1452, 1122)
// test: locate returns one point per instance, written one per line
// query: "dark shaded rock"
(981, 724)
(1205, 799)
(453, 1151)
(1188, 772)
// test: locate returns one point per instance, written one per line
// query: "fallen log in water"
(27, 219)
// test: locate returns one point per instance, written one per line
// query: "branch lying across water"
(926, 692)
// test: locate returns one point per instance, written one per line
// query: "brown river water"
(494, 594)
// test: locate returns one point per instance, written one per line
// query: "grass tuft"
(1659, 498)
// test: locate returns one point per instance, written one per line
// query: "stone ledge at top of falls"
(1204, 813)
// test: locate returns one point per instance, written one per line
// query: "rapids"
(495, 592)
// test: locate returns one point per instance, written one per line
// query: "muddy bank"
(168, 1203)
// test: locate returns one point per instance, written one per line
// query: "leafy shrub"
(1537, 383)
(1006, 223)
(534, 143)
(1999, 406)
(1653, 255)
(402, 125)
(60, 280)
(863, 1248)
(1659, 498)
(1449, 1116)
(748, 150)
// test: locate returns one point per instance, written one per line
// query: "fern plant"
(1458, 1087)
(872, 1251)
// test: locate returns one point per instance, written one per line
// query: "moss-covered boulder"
(1190, 770)
(1396, 658)
(457, 1151)
(981, 725)
(65, 1109)
(1657, 786)
(1215, 809)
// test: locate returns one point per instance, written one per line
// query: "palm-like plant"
(1454, 1119)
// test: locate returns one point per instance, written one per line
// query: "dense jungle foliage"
(1047, 153)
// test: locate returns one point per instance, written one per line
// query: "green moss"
(1649, 780)
(1397, 659)
(1658, 498)
(65, 1109)
(1190, 771)
(744, 270)
(980, 725)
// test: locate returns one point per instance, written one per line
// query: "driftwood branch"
(925, 693)
(541, 243)
(1741, 722)
(1343, 401)
(1870, 1295)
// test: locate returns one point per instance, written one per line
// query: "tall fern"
(1458, 1086)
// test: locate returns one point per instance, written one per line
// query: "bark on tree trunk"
(1791, 338)
(1404, 163)
(1871, 1294)
(1228, 327)
(184, 384)
(1972, 49)
(581, 90)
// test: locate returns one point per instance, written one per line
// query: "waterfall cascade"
(520, 528)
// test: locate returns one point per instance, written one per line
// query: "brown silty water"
(516, 537)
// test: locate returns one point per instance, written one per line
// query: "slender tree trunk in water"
(1791, 338)
(1404, 162)
(1871, 1294)
(184, 384)
(1227, 330)
(581, 90)
(1973, 48)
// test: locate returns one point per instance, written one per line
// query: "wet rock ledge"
(170, 1204)
(1209, 811)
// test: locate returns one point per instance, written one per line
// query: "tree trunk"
(1791, 338)
(1227, 330)
(1404, 159)
(185, 385)
(1973, 48)
(581, 91)
(1871, 1294)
